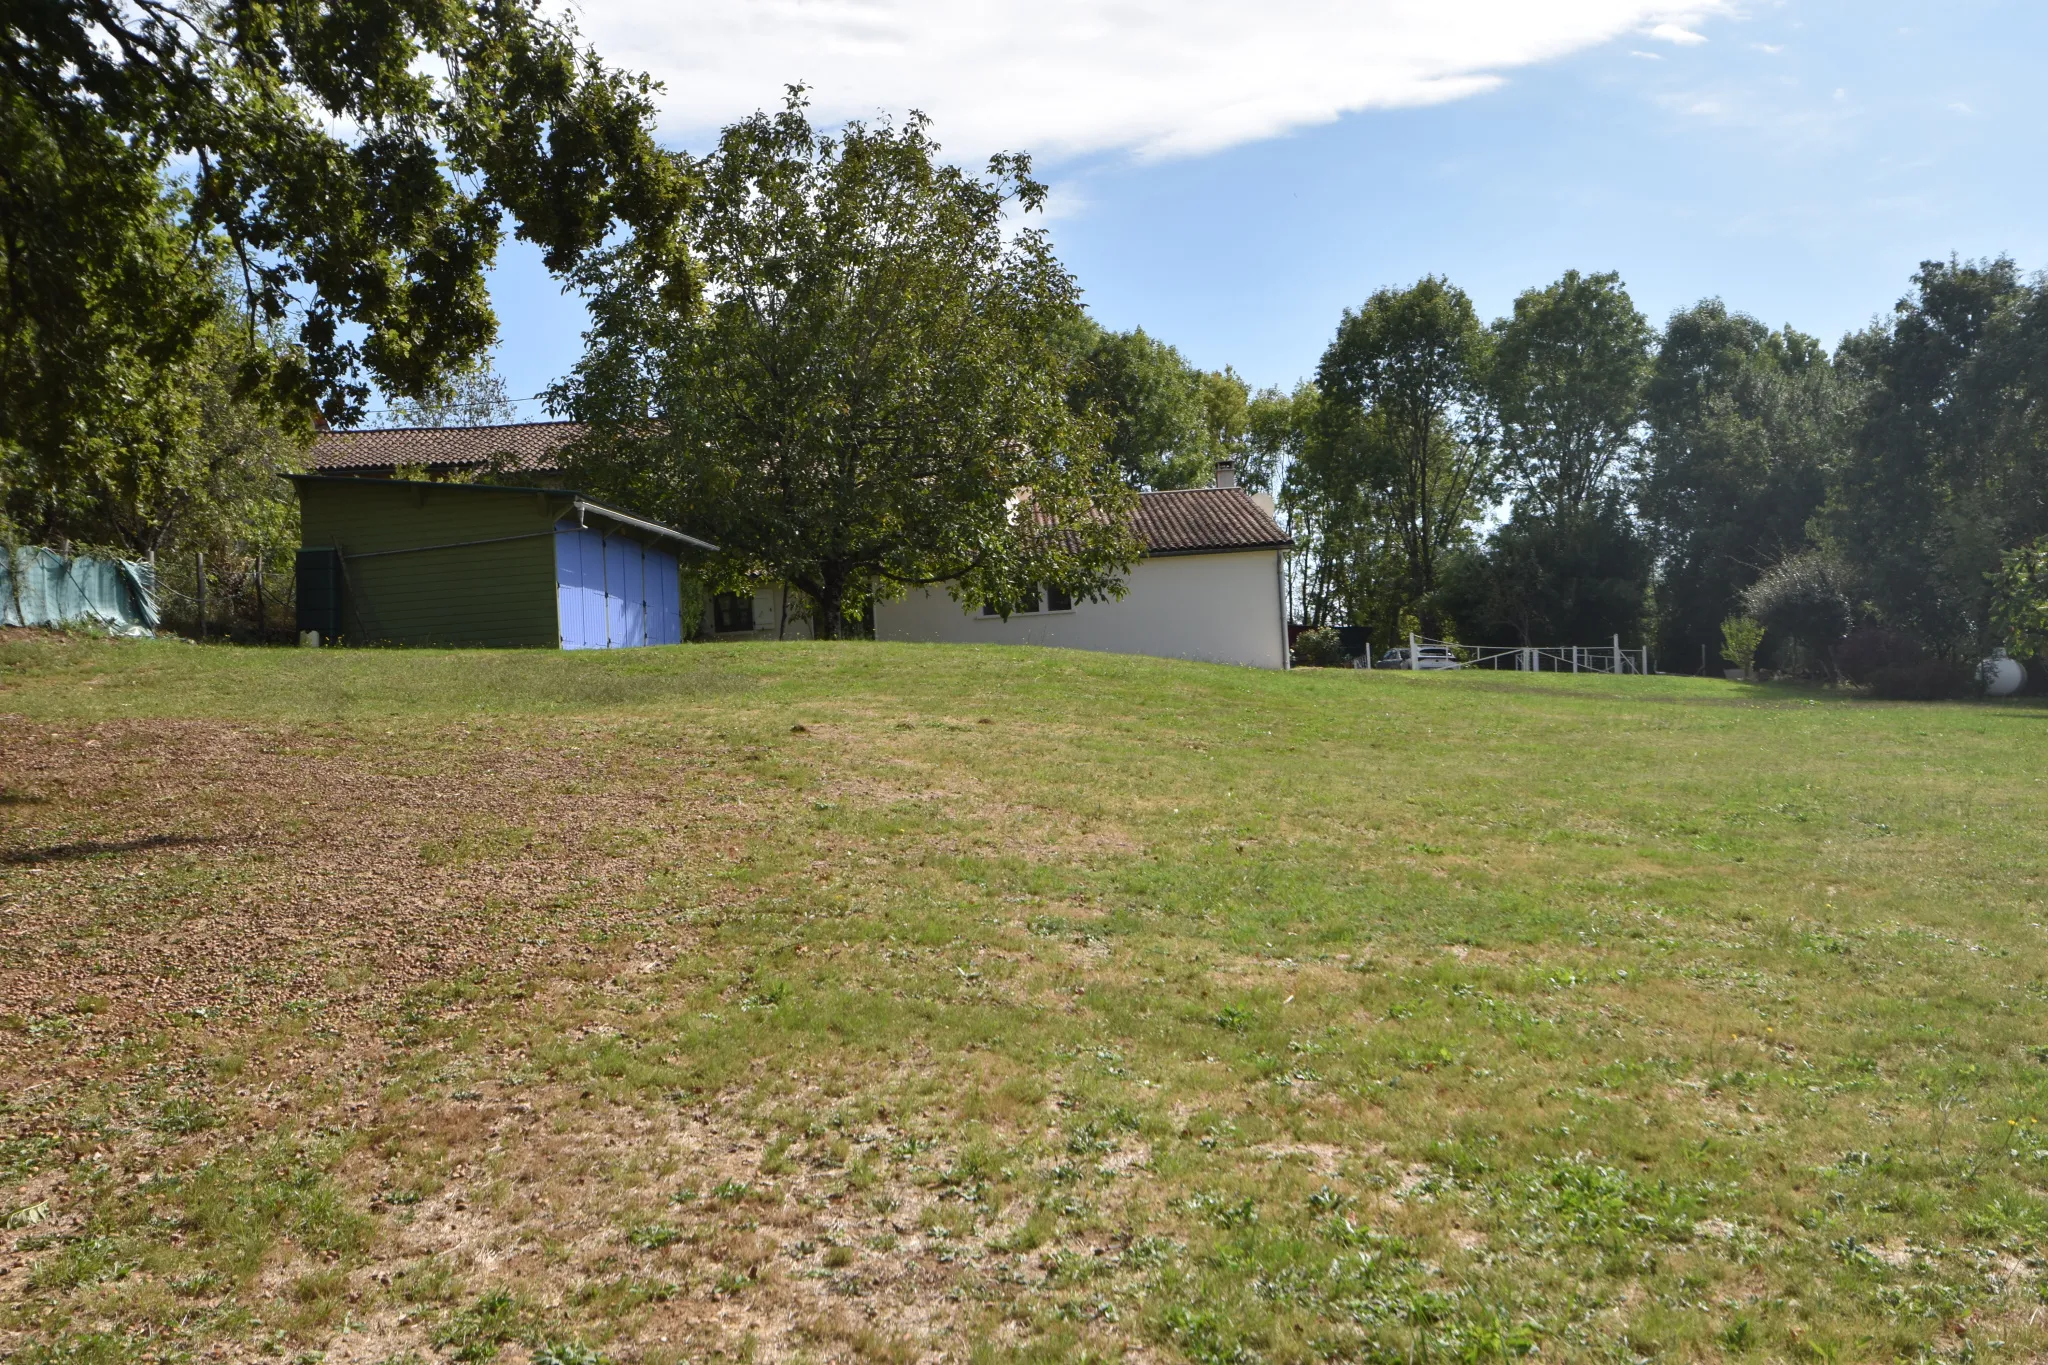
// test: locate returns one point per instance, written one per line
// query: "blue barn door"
(614, 593)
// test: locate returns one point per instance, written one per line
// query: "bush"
(1872, 648)
(1926, 680)
(1803, 599)
(1320, 648)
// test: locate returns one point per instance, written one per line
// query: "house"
(419, 562)
(1211, 586)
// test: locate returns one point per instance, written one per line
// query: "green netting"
(43, 588)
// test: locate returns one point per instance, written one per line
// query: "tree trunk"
(828, 604)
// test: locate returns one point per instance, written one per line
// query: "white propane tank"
(2002, 675)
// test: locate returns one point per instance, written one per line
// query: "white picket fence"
(1608, 658)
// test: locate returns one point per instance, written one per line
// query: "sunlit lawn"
(894, 1002)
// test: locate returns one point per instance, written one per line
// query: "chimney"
(1226, 474)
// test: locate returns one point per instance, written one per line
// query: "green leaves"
(343, 177)
(873, 394)
(1566, 381)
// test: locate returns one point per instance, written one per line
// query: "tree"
(1276, 426)
(1745, 427)
(2020, 598)
(1741, 637)
(1403, 392)
(474, 396)
(1806, 600)
(1547, 578)
(876, 387)
(356, 157)
(1170, 421)
(1566, 381)
(1947, 465)
(184, 454)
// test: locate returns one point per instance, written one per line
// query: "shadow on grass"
(94, 848)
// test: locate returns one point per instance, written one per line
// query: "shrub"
(1804, 599)
(1872, 648)
(1740, 637)
(1320, 648)
(1926, 680)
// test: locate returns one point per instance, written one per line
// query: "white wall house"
(1211, 587)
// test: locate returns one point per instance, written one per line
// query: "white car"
(1427, 658)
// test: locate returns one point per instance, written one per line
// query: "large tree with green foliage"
(1746, 426)
(353, 161)
(1170, 422)
(876, 387)
(1404, 407)
(1566, 381)
(1947, 466)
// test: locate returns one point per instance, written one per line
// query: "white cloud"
(1678, 33)
(1065, 77)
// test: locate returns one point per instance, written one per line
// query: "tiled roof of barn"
(1189, 521)
(522, 447)
(1182, 521)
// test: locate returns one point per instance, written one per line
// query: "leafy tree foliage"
(1171, 422)
(1546, 578)
(473, 396)
(1745, 428)
(2020, 598)
(357, 158)
(1805, 601)
(1403, 385)
(1566, 380)
(876, 387)
(1948, 459)
(183, 455)
(1741, 637)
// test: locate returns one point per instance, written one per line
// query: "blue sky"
(1798, 159)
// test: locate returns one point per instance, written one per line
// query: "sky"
(1232, 176)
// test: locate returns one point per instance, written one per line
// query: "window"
(732, 612)
(1058, 599)
(1028, 604)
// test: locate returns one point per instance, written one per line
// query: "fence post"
(1414, 654)
(1617, 654)
(199, 587)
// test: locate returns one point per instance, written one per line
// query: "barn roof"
(1186, 521)
(521, 447)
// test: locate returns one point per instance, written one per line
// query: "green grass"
(1025, 1004)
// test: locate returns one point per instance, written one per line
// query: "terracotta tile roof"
(1191, 521)
(527, 447)
(1177, 522)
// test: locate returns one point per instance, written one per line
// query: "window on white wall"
(1046, 598)
(732, 612)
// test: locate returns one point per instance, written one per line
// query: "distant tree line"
(1569, 473)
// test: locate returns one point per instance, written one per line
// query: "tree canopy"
(343, 166)
(877, 386)
(1404, 405)
(1170, 422)
(1566, 381)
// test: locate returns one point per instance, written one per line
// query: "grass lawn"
(902, 1003)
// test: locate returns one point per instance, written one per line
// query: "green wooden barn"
(393, 561)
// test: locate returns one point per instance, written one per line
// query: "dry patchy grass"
(887, 1004)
